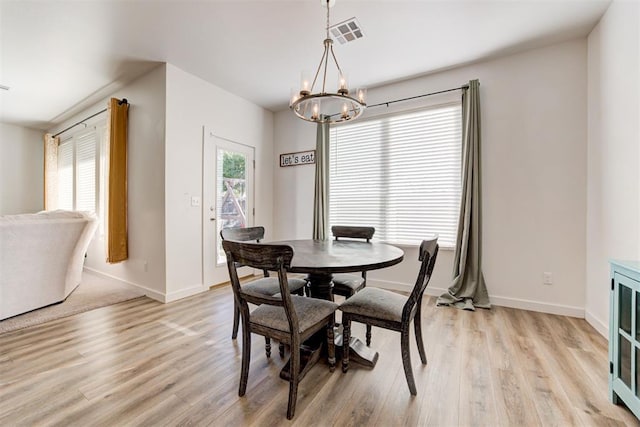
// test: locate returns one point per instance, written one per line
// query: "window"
(399, 174)
(79, 171)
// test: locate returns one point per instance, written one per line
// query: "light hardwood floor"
(145, 363)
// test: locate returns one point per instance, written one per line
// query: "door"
(227, 200)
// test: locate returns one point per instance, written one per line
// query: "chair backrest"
(353, 232)
(427, 256)
(264, 257)
(244, 234)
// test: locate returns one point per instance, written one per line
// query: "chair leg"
(331, 347)
(294, 373)
(267, 346)
(236, 320)
(406, 360)
(246, 358)
(417, 324)
(368, 335)
(346, 337)
(281, 349)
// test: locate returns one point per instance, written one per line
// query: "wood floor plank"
(551, 403)
(514, 401)
(141, 362)
(441, 390)
(477, 403)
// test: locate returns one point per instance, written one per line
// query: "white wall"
(21, 170)
(534, 177)
(191, 104)
(145, 267)
(613, 187)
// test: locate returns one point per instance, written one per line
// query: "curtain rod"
(418, 96)
(124, 101)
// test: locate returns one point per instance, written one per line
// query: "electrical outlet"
(195, 201)
(547, 278)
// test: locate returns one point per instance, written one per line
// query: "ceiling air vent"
(346, 31)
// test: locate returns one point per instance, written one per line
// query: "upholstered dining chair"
(345, 284)
(393, 311)
(348, 284)
(266, 285)
(287, 318)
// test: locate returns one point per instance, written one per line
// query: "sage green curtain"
(468, 289)
(321, 193)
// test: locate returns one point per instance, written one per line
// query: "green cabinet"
(624, 335)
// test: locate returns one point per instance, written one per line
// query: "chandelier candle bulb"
(342, 86)
(362, 95)
(295, 95)
(345, 111)
(305, 83)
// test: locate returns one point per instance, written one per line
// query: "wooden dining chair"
(266, 285)
(393, 311)
(345, 284)
(348, 284)
(291, 319)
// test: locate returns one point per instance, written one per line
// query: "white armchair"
(41, 258)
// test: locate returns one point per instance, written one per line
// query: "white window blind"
(86, 172)
(399, 174)
(79, 172)
(65, 175)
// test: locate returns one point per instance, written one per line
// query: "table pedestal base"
(309, 356)
(312, 349)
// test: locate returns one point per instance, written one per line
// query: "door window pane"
(231, 196)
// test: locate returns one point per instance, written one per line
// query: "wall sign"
(297, 159)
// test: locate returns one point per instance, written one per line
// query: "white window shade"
(65, 175)
(86, 172)
(399, 174)
(79, 172)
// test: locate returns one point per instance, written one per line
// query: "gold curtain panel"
(117, 242)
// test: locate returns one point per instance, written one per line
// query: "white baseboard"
(598, 325)
(158, 296)
(183, 293)
(543, 307)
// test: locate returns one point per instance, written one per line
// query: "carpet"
(93, 292)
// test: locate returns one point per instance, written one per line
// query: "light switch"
(195, 201)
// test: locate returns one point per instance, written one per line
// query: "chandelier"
(323, 106)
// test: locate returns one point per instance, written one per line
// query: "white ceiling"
(60, 56)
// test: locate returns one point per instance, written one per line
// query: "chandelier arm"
(327, 46)
(335, 60)
(315, 78)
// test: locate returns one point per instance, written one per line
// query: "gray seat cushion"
(350, 281)
(270, 286)
(310, 311)
(374, 302)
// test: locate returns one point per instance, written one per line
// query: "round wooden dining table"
(320, 259)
